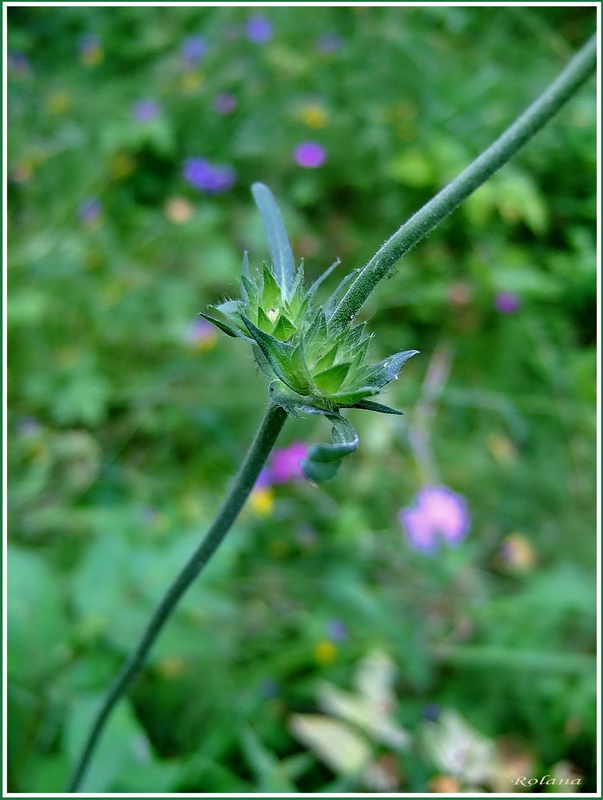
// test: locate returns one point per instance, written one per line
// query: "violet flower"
(310, 155)
(259, 29)
(146, 110)
(286, 463)
(225, 103)
(90, 209)
(438, 514)
(210, 178)
(193, 49)
(507, 302)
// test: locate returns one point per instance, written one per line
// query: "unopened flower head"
(315, 368)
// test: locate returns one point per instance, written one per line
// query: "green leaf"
(270, 773)
(245, 267)
(324, 275)
(223, 326)
(369, 405)
(278, 241)
(36, 620)
(329, 380)
(323, 460)
(327, 360)
(118, 751)
(271, 293)
(228, 307)
(388, 369)
(250, 289)
(286, 361)
(317, 332)
(264, 322)
(277, 354)
(353, 397)
(300, 367)
(284, 328)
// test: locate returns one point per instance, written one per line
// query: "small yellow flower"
(279, 548)
(58, 102)
(502, 448)
(261, 501)
(518, 553)
(313, 115)
(191, 81)
(172, 667)
(121, 165)
(325, 652)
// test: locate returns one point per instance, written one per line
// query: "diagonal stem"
(575, 74)
(241, 487)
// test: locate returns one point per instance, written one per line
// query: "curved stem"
(579, 69)
(241, 487)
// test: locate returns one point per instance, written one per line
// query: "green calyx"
(314, 367)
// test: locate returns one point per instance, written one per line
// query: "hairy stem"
(241, 487)
(579, 69)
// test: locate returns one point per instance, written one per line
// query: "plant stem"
(579, 69)
(241, 487)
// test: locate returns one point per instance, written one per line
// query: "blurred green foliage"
(124, 429)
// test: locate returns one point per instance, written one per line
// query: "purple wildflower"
(337, 631)
(89, 42)
(329, 43)
(259, 29)
(438, 513)
(225, 103)
(90, 49)
(201, 334)
(146, 110)
(310, 155)
(210, 178)
(286, 462)
(90, 209)
(193, 49)
(264, 479)
(507, 302)
(18, 63)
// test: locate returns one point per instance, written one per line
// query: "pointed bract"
(278, 241)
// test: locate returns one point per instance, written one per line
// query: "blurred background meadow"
(426, 621)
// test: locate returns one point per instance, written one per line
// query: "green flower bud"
(315, 367)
